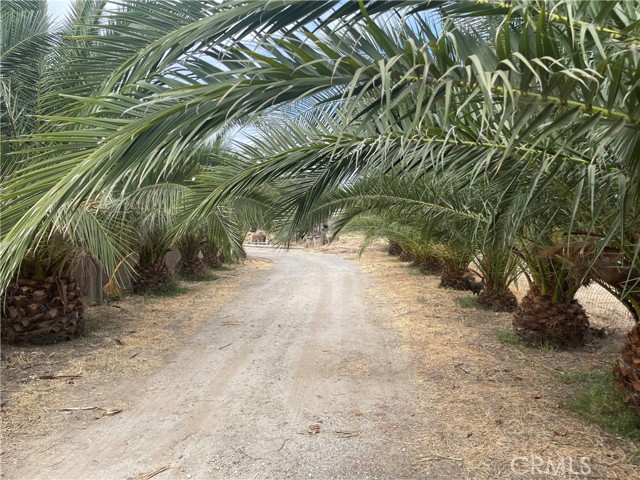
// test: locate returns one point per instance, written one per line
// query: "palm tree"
(549, 314)
(157, 208)
(43, 303)
(26, 40)
(32, 52)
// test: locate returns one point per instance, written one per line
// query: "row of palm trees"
(127, 229)
(507, 134)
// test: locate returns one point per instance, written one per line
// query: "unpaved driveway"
(298, 348)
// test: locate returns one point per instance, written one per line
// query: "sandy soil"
(296, 377)
(326, 367)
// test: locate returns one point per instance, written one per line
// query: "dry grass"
(124, 339)
(493, 401)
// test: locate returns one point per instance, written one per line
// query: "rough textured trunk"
(428, 264)
(627, 369)
(406, 256)
(490, 299)
(214, 261)
(42, 312)
(394, 249)
(152, 279)
(213, 256)
(540, 321)
(455, 279)
(190, 268)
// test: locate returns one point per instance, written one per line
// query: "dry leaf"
(314, 429)
(230, 322)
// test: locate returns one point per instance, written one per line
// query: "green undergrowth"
(509, 337)
(467, 302)
(595, 398)
(206, 277)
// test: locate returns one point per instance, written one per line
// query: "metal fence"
(603, 307)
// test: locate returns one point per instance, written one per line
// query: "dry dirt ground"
(296, 365)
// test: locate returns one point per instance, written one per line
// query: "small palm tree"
(190, 244)
(151, 274)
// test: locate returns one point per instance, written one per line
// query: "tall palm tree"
(44, 305)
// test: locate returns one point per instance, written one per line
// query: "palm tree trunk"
(627, 369)
(151, 279)
(42, 312)
(627, 366)
(428, 264)
(213, 256)
(455, 278)
(541, 321)
(497, 301)
(191, 268)
(394, 249)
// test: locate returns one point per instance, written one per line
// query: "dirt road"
(296, 377)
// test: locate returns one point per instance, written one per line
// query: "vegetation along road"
(491, 147)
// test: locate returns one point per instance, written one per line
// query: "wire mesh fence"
(603, 307)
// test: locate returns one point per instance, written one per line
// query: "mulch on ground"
(45, 388)
(496, 403)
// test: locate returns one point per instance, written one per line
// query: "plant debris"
(56, 377)
(151, 474)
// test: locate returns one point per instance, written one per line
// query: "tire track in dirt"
(311, 368)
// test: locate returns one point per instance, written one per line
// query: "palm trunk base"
(153, 279)
(191, 269)
(394, 249)
(42, 312)
(429, 265)
(539, 321)
(455, 279)
(406, 256)
(214, 261)
(627, 369)
(496, 301)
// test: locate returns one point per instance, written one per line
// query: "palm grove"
(503, 134)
